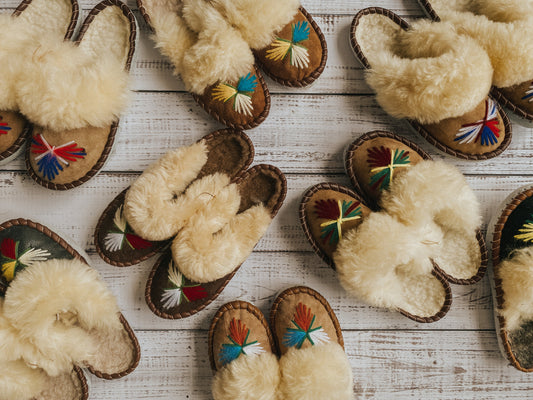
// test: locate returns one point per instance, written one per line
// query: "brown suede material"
(67, 386)
(516, 93)
(10, 138)
(445, 132)
(282, 69)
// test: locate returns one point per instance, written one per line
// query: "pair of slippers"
(56, 317)
(202, 205)
(447, 77)
(63, 97)
(217, 47)
(305, 335)
(408, 229)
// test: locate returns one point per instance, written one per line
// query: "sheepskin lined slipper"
(434, 77)
(56, 18)
(213, 60)
(503, 29)
(214, 242)
(429, 219)
(54, 300)
(313, 365)
(166, 195)
(74, 93)
(511, 232)
(241, 351)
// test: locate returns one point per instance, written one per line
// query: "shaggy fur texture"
(517, 284)
(248, 378)
(20, 382)
(316, 373)
(438, 192)
(57, 305)
(503, 27)
(428, 73)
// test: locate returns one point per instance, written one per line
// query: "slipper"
(503, 29)
(57, 18)
(241, 351)
(512, 235)
(213, 60)
(313, 364)
(74, 94)
(435, 78)
(166, 195)
(214, 242)
(54, 300)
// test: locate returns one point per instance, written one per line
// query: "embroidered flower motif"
(239, 343)
(181, 291)
(114, 241)
(13, 259)
(4, 127)
(383, 162)
(485, 129)
(241, 95)
(304, 320)
(336, 212)
(51, 157)
(526, 234)
(299, 55)
(529, 94)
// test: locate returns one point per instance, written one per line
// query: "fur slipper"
(241, 351)
(54, 300)
(313, 365)
(57, 19)
(214, 243)
(503, 29)
(511, 231)
(163, 198)
(212, 58)
(434, 77)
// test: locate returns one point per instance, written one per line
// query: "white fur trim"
(20, 382)
(248, 378)
(428, 73)
(320, 372)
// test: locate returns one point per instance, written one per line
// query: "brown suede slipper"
(228, 152)
(298, 55)
(64, 158)
(436, 79)
(65, 306)
(213, 250)
(13, 126)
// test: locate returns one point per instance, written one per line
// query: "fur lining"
(517, 285)
(316, 373)
(20, 382)
(56, 304)
(248, 378)
(387, 264)
(258, 20)
(428, 73)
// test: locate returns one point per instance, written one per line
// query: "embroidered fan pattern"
(238, 337)
(115, 240)
(14, 259)
(4, 127)
(298, 54)
(51, 158)
(241, 95)
(485, 130)
(383, 161)
(304, 320)
(529, 94)
(526, 232)
(335, 212)
(181, 291)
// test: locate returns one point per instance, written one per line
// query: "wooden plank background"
(305, 134)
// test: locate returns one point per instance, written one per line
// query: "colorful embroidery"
(4, 127)
(529, 94)
(239, 343)
(304, 320)
(51, 157)
(526, 234)
(114, 241)
(13, 259)
(486, 128)
(336, 212)
(383, 162)
(180, 291)
(299, 55)
(241, 95)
